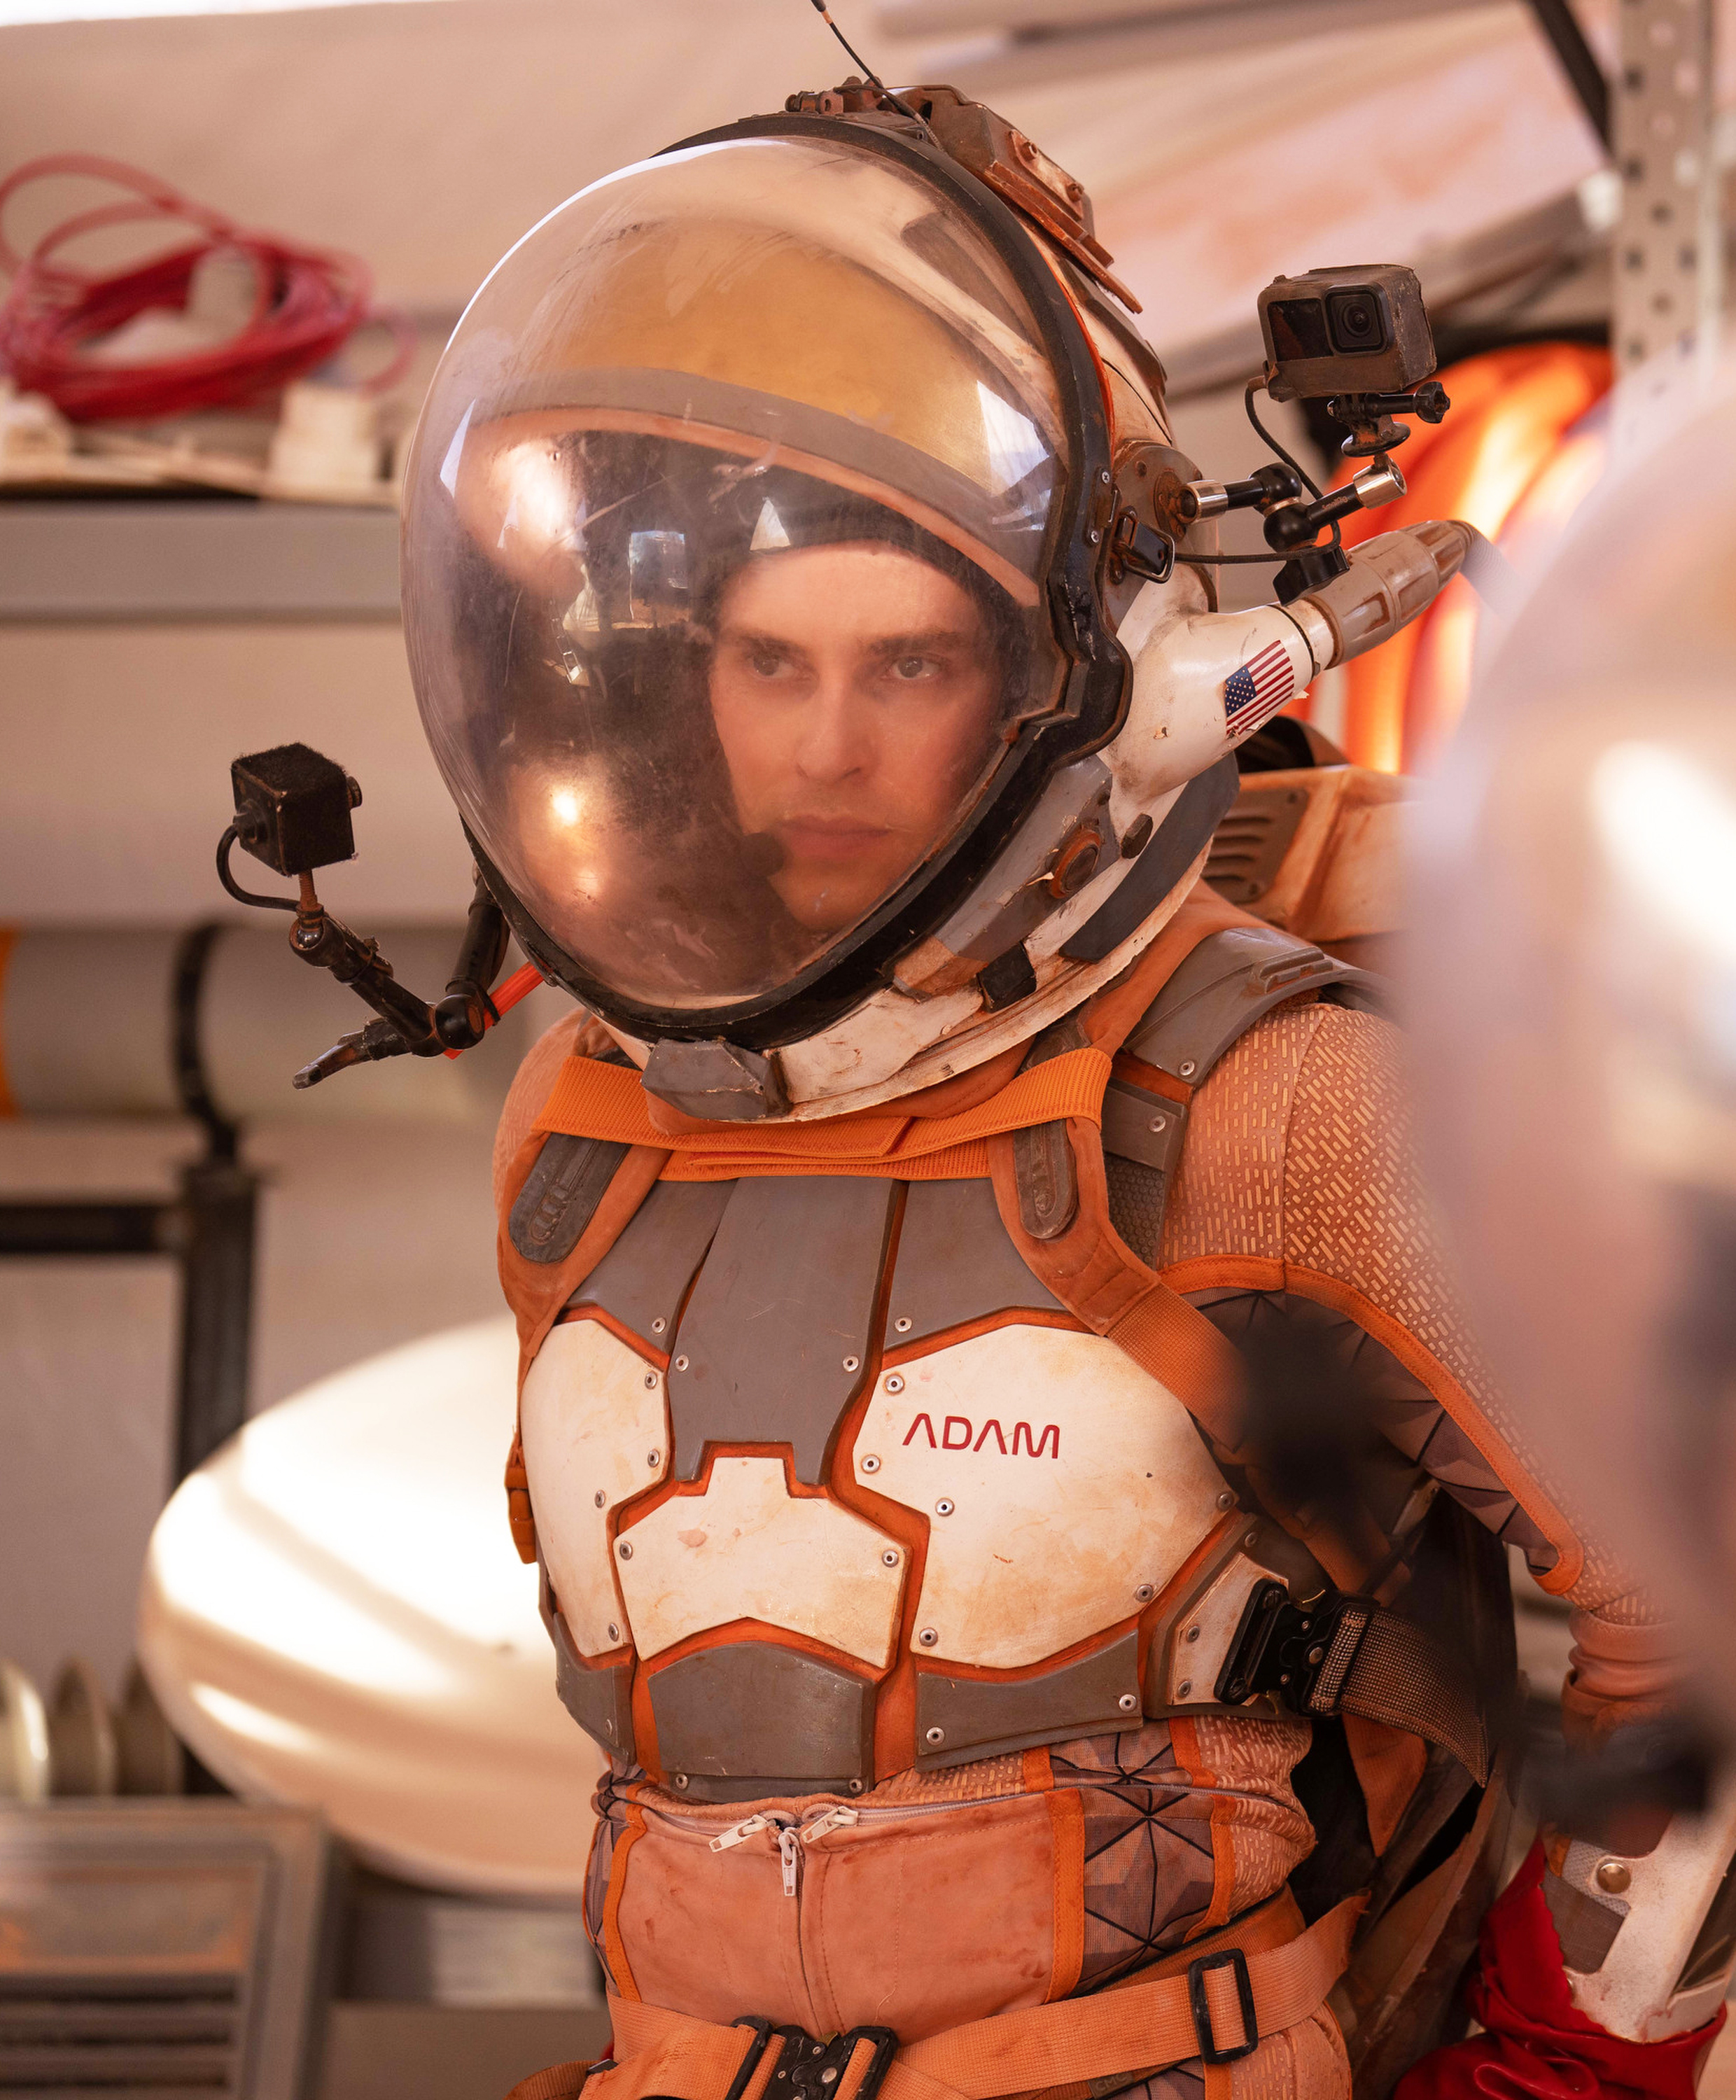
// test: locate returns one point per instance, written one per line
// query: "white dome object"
(333, 1613)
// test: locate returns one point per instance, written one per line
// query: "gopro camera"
(1344, 332)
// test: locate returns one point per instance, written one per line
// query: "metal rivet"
(1191, 1635)
(654, 1459)
(853, 1363)
(681, 1363)
(1145, 1593)
(614, 1632)
(1251, 1541)
(936, 1735)
(827, 2075)
(894, 1383)
(1184, 1688)
(1185, 1068)
(1094, 535)
(1612, 1877)
(1158, 1122)
(928, 1637)
(868, 1463)
(854, 1787)
(681, 1780)
(657, 1325)
(624, 1550)
(1103, 476)
(1128, 1701)
(1225, 1499)
(1316, 1656)
(600, 1499)
(945, 1507)
(890, 1556)
(902, 1325)
(651, 1381)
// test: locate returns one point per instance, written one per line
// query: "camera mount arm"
(292, 811)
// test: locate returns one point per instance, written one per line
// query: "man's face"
(855, 691)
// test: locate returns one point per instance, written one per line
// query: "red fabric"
(1537, 2045)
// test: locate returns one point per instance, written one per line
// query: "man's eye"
(764, 662)
(913, 667)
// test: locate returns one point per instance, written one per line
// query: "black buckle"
(810, 2070)
(1282, 1648)
(1233, 1959)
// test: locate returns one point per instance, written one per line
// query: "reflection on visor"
(730, 709)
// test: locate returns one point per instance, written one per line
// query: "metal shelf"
(177, 561)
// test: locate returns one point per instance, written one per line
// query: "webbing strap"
(1138, 2028)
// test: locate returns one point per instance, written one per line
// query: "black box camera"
(292, 809)
(1353, 331)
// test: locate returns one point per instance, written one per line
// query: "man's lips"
(829, 838)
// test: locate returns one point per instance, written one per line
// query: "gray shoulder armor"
(1230, 980)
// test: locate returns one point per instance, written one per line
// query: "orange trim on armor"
(1184, 1737)
(1150, 1080)
(1443, 1386)
(1226, 1272)
(614, 1947)
(967, 1330)
(593, 1099)
(8, 942)
(1067, 1819)
(1038, 1776)
(738, 1631)
(598, 1317)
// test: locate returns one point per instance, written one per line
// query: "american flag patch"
(1261, 686)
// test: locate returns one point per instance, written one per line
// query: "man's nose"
(835, 738)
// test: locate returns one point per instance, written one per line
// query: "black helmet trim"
(1092, 703)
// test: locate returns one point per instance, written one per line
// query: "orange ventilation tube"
(1509, 460)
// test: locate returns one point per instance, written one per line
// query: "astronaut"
(920, 1230)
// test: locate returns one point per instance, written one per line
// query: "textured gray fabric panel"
(1136, 1198)
(772, 1344)
(643, 1277)
(977, 1717)
(751, 1711)
(955, 1263)
(560, 1195)
(1222, 989)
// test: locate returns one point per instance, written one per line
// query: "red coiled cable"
(308, 302)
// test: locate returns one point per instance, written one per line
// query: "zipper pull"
(831, 1819)
(789, 1850)
(738, 1833)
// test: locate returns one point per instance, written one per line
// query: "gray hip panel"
(600, 1701)
(772, 1344)
(956, 1263)
(961, 1719)
(763, 1720)
(643, 1277)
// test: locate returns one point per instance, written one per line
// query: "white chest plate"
(1059, 1480)
(748, 1549)
(595, 1421)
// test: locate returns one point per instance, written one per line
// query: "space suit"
(918, 1235)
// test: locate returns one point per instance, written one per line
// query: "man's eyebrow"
(930, 637)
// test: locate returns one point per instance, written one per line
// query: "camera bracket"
(292, 812)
